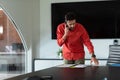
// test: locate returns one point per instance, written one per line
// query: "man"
(72, 36)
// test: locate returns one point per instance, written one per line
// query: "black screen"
(100, 18)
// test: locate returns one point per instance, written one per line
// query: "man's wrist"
(64, 37)
(93, 56)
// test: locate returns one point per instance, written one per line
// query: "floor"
(7, 71)
(5, 76)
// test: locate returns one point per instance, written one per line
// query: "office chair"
(114, 55)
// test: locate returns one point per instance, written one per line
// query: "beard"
(71, 28)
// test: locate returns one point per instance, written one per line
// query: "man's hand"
(66, 30)
(93, 59)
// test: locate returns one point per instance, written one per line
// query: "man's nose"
(72, 25)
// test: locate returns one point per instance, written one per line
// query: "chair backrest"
(114, 55)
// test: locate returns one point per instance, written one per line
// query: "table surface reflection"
(87, 73)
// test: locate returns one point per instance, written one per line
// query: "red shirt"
(73, 46)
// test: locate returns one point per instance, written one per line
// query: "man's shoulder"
(79, 24)
(61, 24)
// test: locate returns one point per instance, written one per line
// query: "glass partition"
(12, 51)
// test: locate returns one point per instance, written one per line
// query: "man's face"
(71, 24)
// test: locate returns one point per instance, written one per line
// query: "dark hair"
(70, 16)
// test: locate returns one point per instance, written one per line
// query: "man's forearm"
(64, 37)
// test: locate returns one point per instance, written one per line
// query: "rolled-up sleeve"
(87, 42)
(60, 33)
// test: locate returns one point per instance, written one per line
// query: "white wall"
(49, 47)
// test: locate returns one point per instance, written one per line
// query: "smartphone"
(67, 26)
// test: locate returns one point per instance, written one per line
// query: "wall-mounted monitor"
(100, 18)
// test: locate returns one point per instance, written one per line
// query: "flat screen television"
(100, 18)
